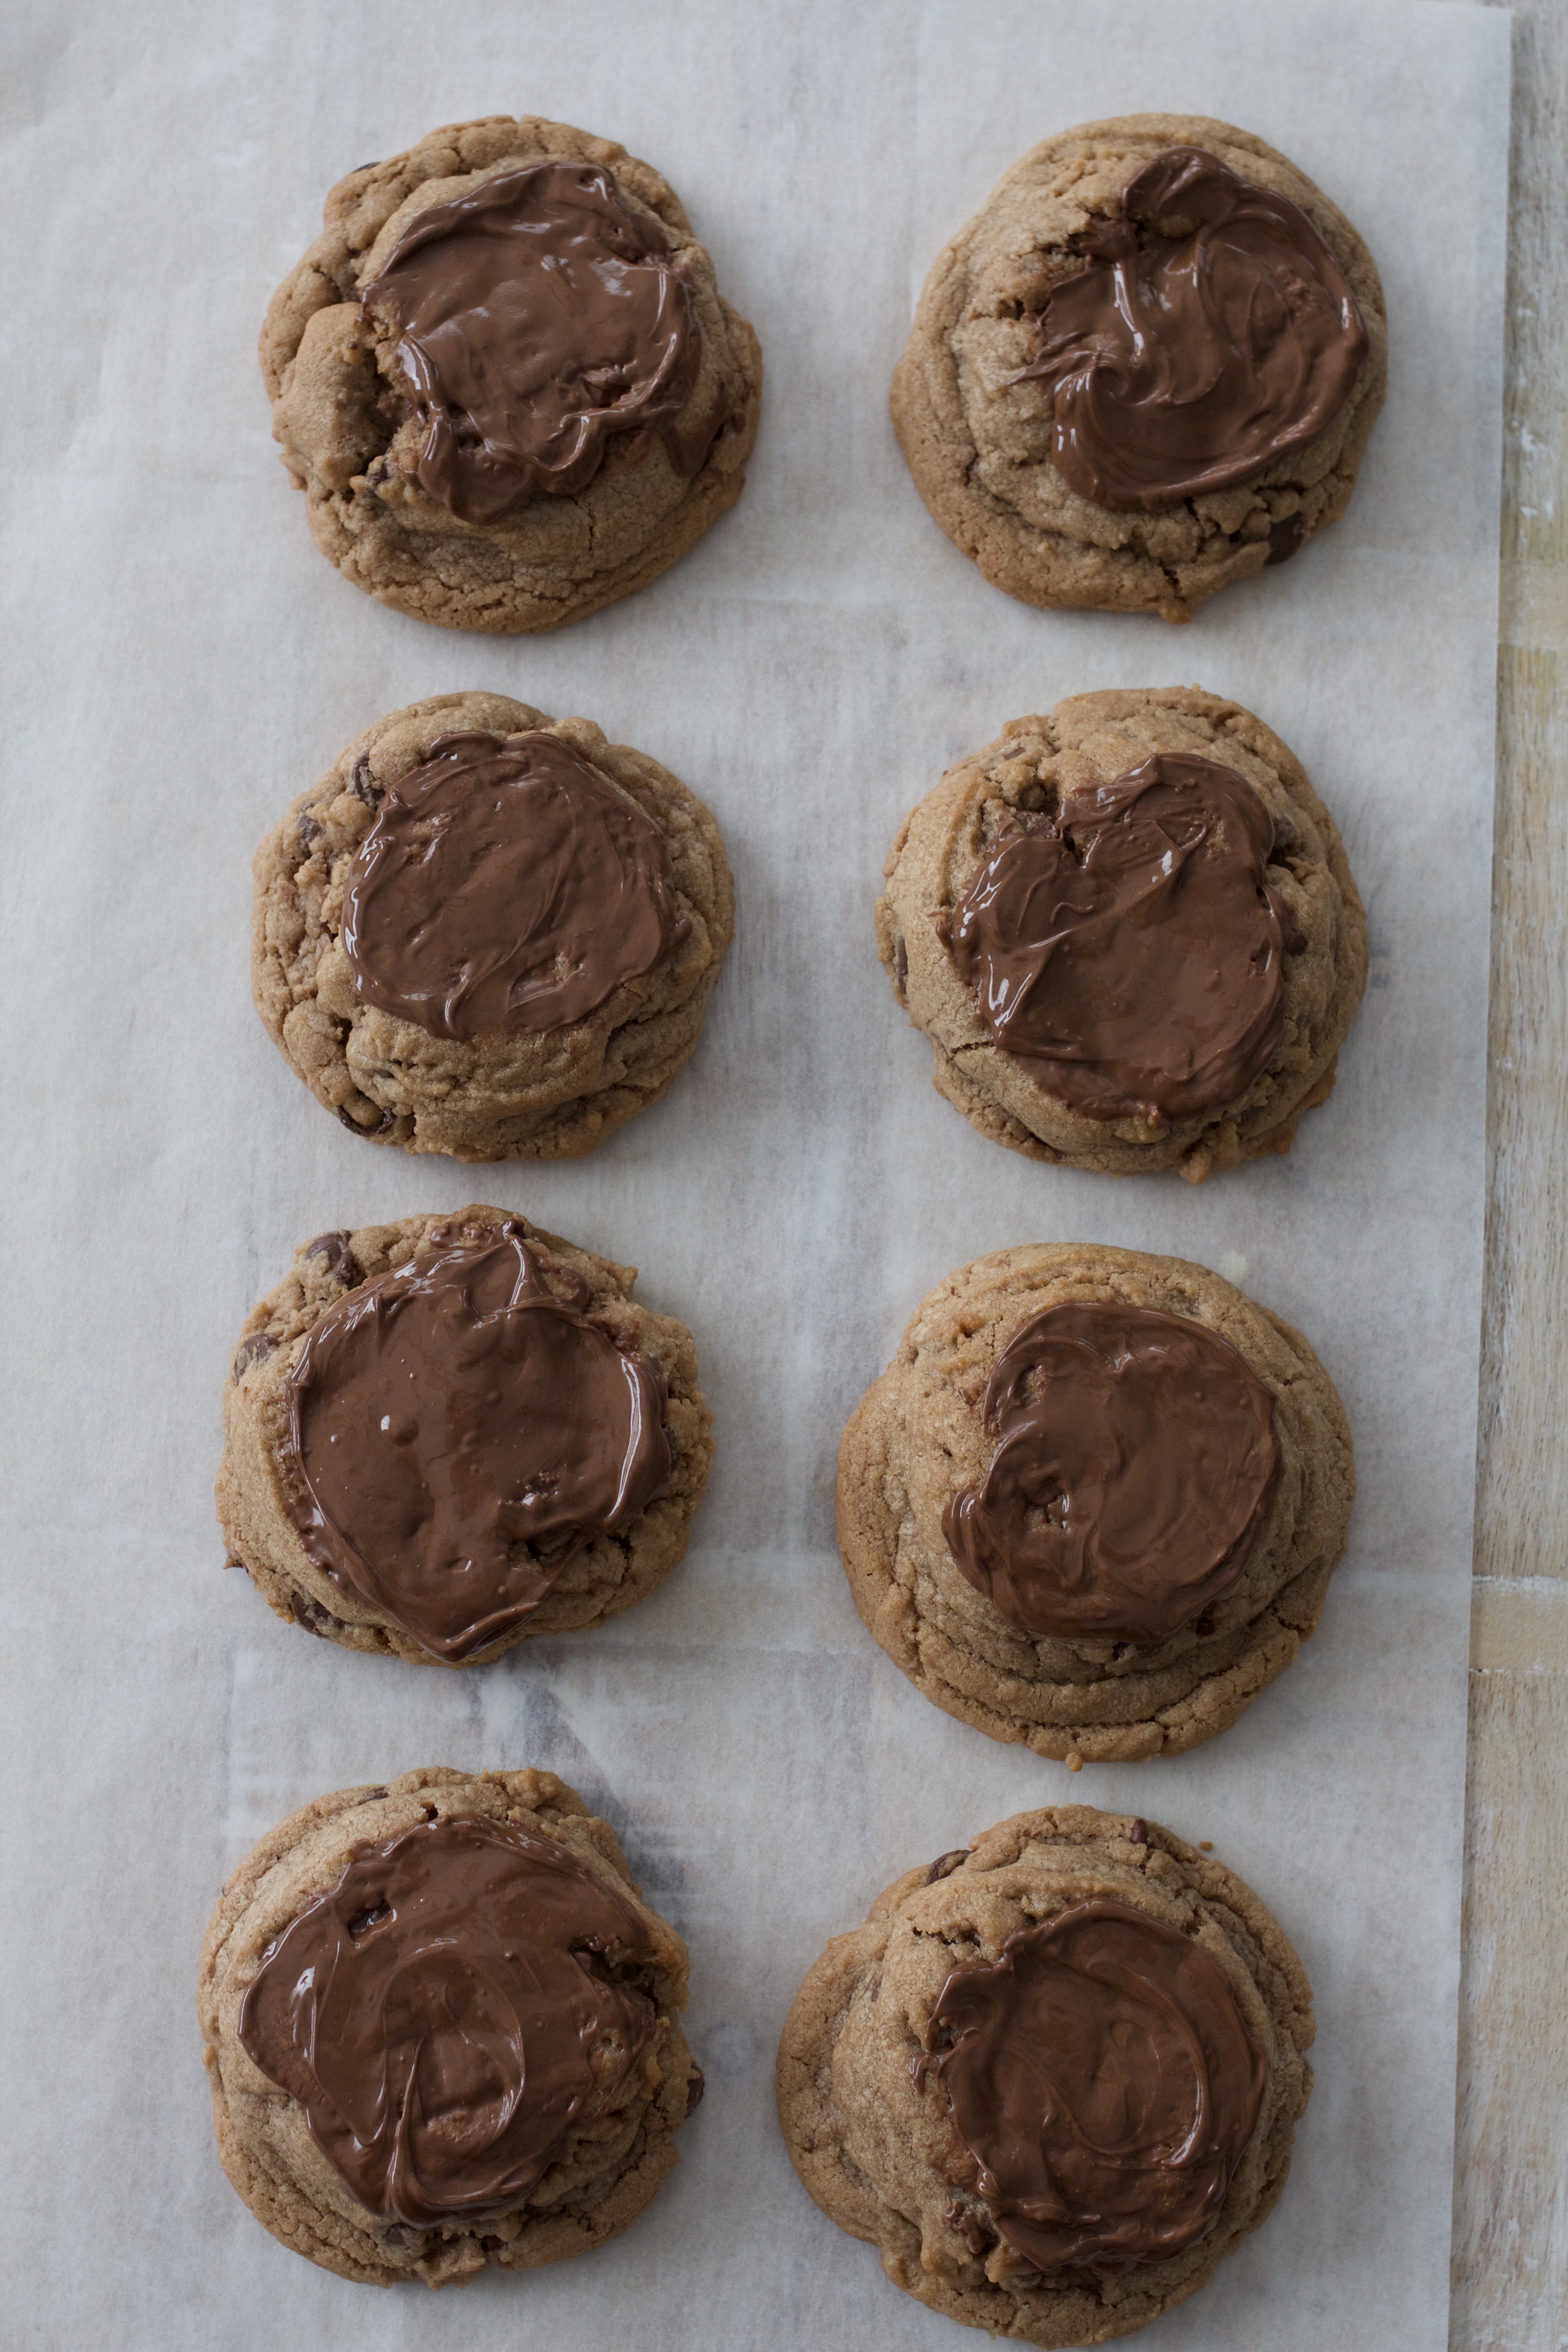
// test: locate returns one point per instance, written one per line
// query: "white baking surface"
(183, 662)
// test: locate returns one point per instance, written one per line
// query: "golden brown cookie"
(452, 1434)
(362, 1985)
(505, 377)
(1054, 2077)
(488, 932)
(1147, 367)
(1094, 1503)
(1131, 932)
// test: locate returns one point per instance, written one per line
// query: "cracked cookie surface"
(608, 2164)
(345, 409)
(867, 2120)
(977, 431)
(495, 1096)
(1024, 776)
(259, 1488)
(920, 1437)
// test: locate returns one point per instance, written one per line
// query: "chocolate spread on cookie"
(1135, 1467)
(1104, 2084)
(1212, 332)
(456, 1432)
(538, 320)
(1129, 951)
(506, 886)
(445, 2012)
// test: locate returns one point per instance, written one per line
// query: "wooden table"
(1511, 2195)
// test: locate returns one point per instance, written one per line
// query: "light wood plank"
(1511, 2202)
(1510, 2225)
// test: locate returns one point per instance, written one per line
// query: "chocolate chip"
(308, 1613)
(1284, 539)
(307, 830)
(900, 968)
(253, 1351)
(970, 2227)
(946, 1864)
(491, 2245)
(696, 2083)
(364, 783)
(394, 2234)
(366, 167)
(334, 1248)
(1139, 1833)
(388, 1119)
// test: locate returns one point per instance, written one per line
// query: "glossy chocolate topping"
(445, 2013)
(1105, 2083)
(1130, 950)
(537, 318)
(1134, 1470)
(506, 886)
(1212, 331)
(456, 1432)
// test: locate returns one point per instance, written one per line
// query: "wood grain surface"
(1510, 2185)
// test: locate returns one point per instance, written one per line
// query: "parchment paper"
(183, 662)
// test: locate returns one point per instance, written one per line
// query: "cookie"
(506, 379)
(365, 1982)
(1054, 2077)
(489, 933)
(1095, 999)
(1148, 367)
(1094, 1503)
(452, 1434)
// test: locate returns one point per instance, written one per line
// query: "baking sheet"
(183, 662)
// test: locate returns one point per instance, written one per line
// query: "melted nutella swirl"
(1104, 2083)
(1130, 951)
(455, 1433)
(445, 2013)
(538, 320)
(1135, 1468)
(1212, 332)
(505, 887)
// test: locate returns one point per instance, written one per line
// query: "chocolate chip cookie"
(1148, 367)
(1131, 932)
(489, 933)
(1054, 2077)
(505, 378)
(1094, 1503)
(364, 1985)
(452, 1434)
